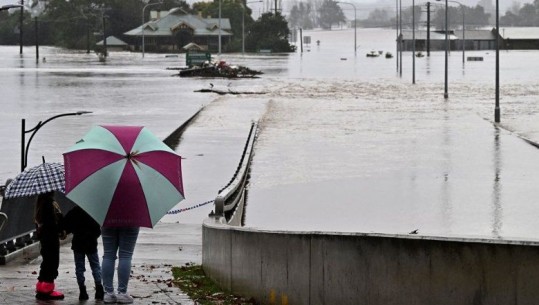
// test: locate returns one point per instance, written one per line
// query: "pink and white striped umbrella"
(123, 176)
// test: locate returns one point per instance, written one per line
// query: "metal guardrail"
(228, 204)
(3, 219)
(18, 230)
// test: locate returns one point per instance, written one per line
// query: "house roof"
(192, 46)
(520, 32)
(112, 41)
(476, 34)
(453, 35)
(177, 19)
(422, 35)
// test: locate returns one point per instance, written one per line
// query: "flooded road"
(345, 143)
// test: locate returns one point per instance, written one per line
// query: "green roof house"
(171, 30)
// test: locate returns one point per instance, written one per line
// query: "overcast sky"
(504, 4)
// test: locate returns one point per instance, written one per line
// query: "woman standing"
(48, 218)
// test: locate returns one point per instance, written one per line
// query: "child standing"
(85, 231)
(48, 218)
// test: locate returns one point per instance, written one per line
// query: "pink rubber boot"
(45, 291)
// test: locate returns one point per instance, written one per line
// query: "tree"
(515, 7)
(378, 18)
(528, 15)
(201, 7)
(475, 17)
(330, 13)
(9, 30)
(294, 17)
(233, 10)
(301, 16)
(306, 11)
(522, 15)
(270, 32)
(408, 16)
(509, 19)
(68, 23)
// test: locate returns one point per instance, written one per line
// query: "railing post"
(27, 239)
(23, 143)
(19, 242)
(10, 246)
(219, 207)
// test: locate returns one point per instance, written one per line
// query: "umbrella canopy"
(123, 176)
(44, 178)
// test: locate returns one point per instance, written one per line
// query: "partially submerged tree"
(301, 16)
(269, 32)
(330, 13)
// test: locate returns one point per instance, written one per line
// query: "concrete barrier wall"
(325, 268)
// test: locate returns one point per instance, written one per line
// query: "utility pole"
(401, 40)
(37, 39)
(87, 36)
(497, 87)
(105, 53)
(413, 40)
(20, 26)
(428, 29)
(446, 93)
(301, 39)
(219, 28)
(397, 27)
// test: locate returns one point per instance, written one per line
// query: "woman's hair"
(45, 207)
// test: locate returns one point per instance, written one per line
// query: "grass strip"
(201, 289)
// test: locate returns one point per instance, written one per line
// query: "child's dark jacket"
(85, 230)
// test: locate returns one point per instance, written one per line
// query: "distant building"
(520, 38)
(512, 38)
(436, 40)
(171, 30)
(113, 44)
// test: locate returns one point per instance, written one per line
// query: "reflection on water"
(497, 208)
(345, 143)
(446, 204)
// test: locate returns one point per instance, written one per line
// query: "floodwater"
(346, 144)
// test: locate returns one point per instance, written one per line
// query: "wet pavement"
(157, 251)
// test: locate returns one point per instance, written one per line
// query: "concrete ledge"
(27, 253)
(318, 268)
(460, 238)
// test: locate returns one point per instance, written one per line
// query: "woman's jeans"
(117, 241)
(80, 266)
